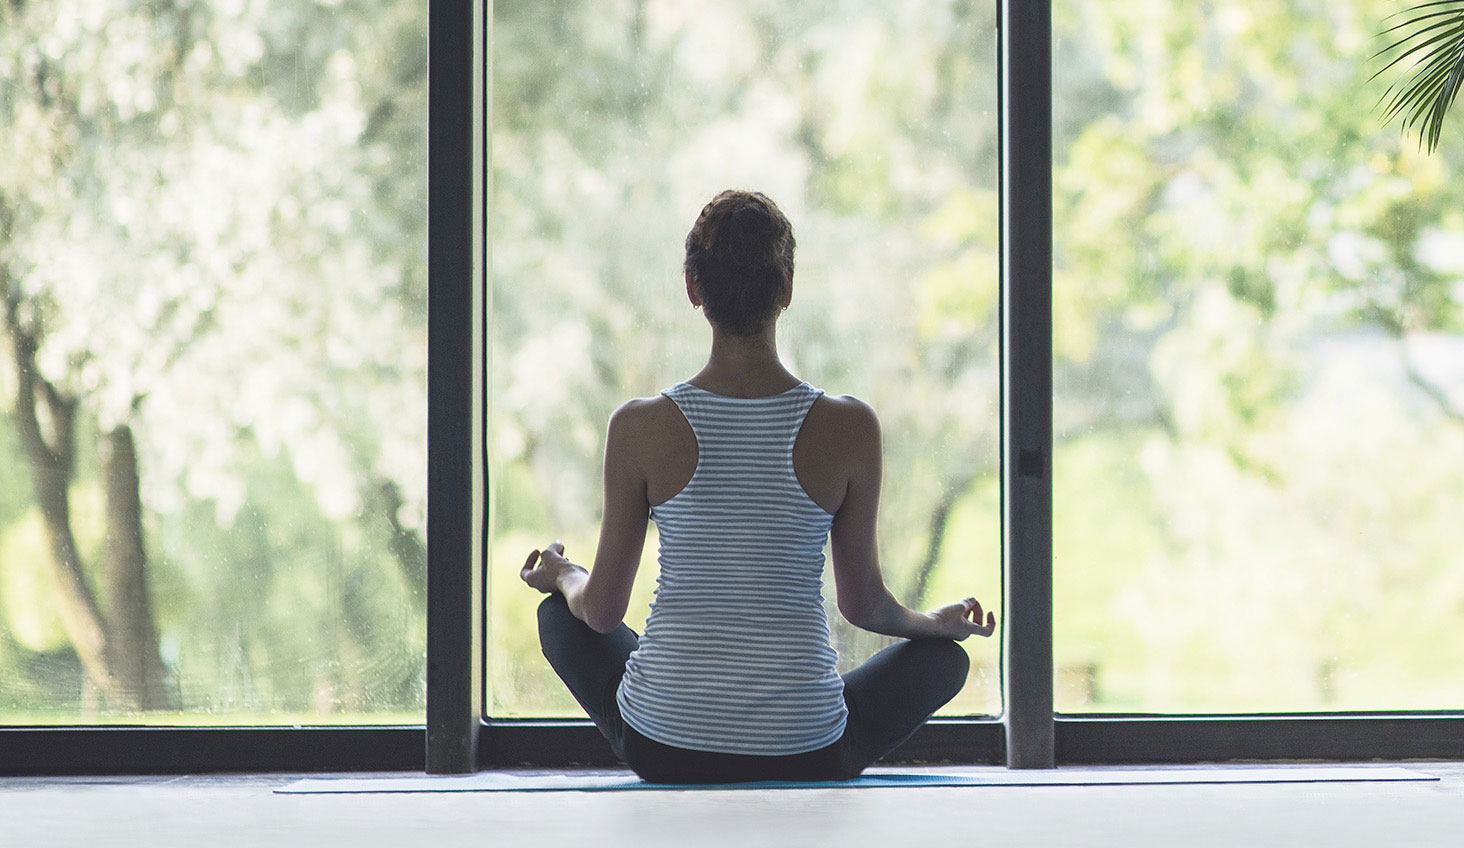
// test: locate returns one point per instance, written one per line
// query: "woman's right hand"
(951, 623)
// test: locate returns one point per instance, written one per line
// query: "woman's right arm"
(863, 598)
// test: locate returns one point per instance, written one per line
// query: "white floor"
(241, 810)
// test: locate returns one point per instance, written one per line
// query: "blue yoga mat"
(504, 782)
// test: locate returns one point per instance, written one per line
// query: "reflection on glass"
(1260, 367)
(872, 126)
(212, 394)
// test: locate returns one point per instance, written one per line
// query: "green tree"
(211, 221)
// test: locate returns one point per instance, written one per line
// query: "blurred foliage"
(1258, 309)
(215, 220)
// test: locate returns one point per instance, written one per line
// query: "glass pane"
(212, 395)
(1260, 385)
(872, 125)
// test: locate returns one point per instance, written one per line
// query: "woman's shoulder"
(847, 411)
(642, 412)
(842, 420)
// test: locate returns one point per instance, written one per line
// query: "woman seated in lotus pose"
(746, 470)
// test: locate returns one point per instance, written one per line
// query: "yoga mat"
(489, 781)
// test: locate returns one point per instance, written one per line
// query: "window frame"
(457, 737)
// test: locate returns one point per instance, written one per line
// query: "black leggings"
(888, 697)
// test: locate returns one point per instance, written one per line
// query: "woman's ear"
(787, 299)
(691, 292)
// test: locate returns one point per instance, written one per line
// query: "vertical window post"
(1025, 113)
(455, 309)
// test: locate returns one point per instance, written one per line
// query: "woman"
(747, 471)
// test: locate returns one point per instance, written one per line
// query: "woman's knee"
(552, 611)
(553, 603)
(950, 664)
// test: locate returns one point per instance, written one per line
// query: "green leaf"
(1435, 39)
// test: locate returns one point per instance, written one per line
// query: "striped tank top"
(736, 656)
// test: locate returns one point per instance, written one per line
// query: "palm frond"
(1431, 35)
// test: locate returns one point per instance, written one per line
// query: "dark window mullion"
(454, 330)
(1025, 116)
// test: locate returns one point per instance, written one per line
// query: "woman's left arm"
(600, 597)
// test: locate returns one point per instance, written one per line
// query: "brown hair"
(739, 255)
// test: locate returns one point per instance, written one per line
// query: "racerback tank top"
(736, 656)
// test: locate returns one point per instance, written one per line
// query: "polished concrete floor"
(241, 810)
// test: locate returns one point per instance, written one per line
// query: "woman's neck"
(745, 366)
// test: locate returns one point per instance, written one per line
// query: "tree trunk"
(951, 492)
(1435, 393)
(405, 543)
(79, 610)
(118, 652)
(49, 452)
(134, 637)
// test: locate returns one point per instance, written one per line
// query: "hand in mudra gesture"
(953, 624)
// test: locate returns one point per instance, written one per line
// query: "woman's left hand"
(551, 562)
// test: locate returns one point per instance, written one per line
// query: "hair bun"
(750, 219)
(739, 256)
(748, 228)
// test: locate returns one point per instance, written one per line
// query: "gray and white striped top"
(736, 656)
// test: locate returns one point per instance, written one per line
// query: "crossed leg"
(889, 696)
(590, 664)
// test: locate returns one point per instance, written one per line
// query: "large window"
(873, 125)
(1260, 367)
(214, 469)
(212, 394)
